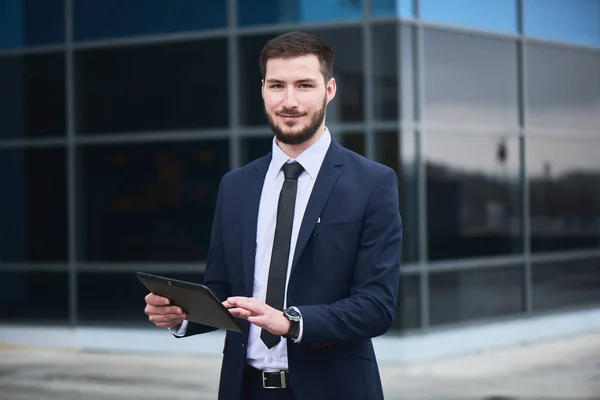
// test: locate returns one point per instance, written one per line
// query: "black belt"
(270, 379)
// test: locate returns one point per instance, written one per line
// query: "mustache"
(290, 113)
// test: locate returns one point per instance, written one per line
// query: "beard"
(305, 134)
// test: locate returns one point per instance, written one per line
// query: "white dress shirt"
(258, 355)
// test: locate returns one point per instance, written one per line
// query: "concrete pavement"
(566, 369)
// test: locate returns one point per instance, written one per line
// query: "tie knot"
(292, 170)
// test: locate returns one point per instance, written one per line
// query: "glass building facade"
(118, 120)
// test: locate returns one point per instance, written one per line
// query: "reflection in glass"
(473, 196)
(115, 18)
(575, 21)
(347, 106)
(39, 296)
(33, 215)
(408, 308)
(469, 295)
(32, 95)
(564, 191)
(259, 12)
(563, 87)
(31, 23)
(125, 305)
(153, 87)
(255, 147)
(388, 152)
(354, 141)
(385, 72)
(495, 15)
(470, 80)
(566, 284)
(385, 8)
(151, 201)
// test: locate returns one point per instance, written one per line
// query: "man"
(305, 248)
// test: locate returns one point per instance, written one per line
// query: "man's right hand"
(161, 313)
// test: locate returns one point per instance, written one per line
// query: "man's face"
(296, 97)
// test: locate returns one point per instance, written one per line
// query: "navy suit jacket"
(344, 278)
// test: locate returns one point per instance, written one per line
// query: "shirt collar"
(310, 159)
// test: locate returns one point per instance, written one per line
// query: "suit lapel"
(326, 180)
(253, 192)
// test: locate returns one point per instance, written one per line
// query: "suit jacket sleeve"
(215, 277)
(370, 309)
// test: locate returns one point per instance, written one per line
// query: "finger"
(170, 310)
(235, 300)
(255, 306)
(240, 312)
(155, 300)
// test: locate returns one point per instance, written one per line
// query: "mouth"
(289, 117)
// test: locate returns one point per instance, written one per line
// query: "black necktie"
(281, 245)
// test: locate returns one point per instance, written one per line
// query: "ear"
(331, 89)
(262, 88)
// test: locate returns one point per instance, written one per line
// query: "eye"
(276, 86)
(305, 86)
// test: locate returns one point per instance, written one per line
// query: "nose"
(289, 99)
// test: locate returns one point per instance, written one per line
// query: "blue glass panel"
(258, 12)
(31, 23)
(383, 8)
(95, 19)
(496, 15)
(576, 21)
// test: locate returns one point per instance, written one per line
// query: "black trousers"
(252, 388)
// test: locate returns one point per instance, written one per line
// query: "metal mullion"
(233, 81)
(131, 267)
(574, 255)
(523, 114)
(71, 164)
(32, 143)
(418, 109)
(282, 27)
(152, 137)
(368, 78)
(33, 266)
(24, 51)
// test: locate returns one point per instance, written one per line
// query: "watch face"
(292, 314)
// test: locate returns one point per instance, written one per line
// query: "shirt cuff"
(301, 325)
(179, 330)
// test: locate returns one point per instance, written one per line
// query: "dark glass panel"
(494, 15)
(260, 12)
(34, 205)
(31, 23)
(151, 202)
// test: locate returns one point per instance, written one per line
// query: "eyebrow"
(306, 80)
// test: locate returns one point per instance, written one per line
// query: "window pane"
(354, 141)
(387, 152)
(258, 12)
(125, 305)
(154, 87)
(566, 284)
(151, 201)
(347, 106)
(576, 21)
(34, 205)
(468, 295)
(32, 98)
(564, 191)
(496, 15)
(563, 87)
(114, 18)
(383, 8)
(34, 296)
(407, 310)
(255, 147)
(31, 23)
(473, 195)
(469, 79)
(385, 72)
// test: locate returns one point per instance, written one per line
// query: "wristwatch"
(294, 316)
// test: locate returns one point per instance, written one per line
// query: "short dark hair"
(298, 44)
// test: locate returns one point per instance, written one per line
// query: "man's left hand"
(259, 314)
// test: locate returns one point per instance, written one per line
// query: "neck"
(294, 150)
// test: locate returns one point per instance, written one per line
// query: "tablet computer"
(200, 304)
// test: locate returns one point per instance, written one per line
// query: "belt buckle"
(283, 382)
